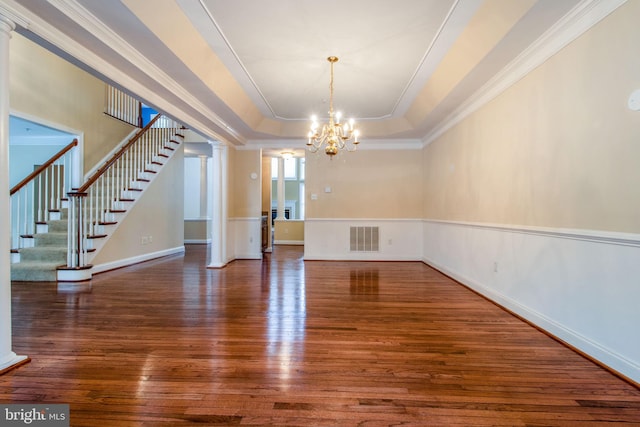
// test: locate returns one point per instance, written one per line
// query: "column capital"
(6, 24)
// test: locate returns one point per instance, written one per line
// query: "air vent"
(364, 239)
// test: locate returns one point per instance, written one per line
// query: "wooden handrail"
(42, 167)
(97, 174)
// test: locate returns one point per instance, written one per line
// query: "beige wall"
(196, 229)
(165, 195)
(558, 149)
(266, 185)
(364, 184)
(288, 230)
(51, 89)
(246, 191)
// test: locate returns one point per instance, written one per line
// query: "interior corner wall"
(533, 200)
(47, 87)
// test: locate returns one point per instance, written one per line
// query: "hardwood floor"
(290, 343)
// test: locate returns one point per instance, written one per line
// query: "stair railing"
(122, 106)
(106, 193)
(39, 196)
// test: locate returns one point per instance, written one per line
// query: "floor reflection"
(286, 314)
(363, 284)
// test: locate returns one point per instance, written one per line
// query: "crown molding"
(79, 14)
(366, 144)
(72, 9)
(11, 18)
(580, 19)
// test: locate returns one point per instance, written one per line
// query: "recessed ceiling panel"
(381, 45)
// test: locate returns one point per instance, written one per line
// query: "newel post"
(77, 268)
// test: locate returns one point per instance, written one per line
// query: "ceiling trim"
(374, 144)
(42, 29)
(93, 25)
(580, 19)
(457, 17)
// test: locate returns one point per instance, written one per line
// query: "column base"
(12, 361)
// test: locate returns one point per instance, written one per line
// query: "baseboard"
(100, 268)
(599, 354)
(289, 242)
(248, 256)
(197, 241)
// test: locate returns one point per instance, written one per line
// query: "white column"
(217, 192)
(203, 186)
(280, 212)
(7, 357)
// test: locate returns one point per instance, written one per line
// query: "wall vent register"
(364, 239)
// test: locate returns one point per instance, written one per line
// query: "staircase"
(39, 263)
(64, 243)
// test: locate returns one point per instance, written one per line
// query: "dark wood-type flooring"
(285, 342)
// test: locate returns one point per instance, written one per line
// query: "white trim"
(364, 219)
(365, 144)
(556, 329)
(606, 237)
(100, 268)
(580, 19)
(10, 360)
(87, 57)
(289, 242)
(218, 265)
(79, 14)
(197, 241)
(578, 285)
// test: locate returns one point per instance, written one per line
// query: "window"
(290, 168)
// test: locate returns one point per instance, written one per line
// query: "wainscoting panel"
(582, 287)
(330, 239)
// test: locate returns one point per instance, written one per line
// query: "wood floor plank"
(283, 342)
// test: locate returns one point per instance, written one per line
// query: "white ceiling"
(386, 50)
(251, 72)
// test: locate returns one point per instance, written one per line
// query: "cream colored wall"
(364, 184)
(196, 230)
(558, 149)
(247, 197)
(165, 195)
(47, 87)
(266, 184)
(288, 231)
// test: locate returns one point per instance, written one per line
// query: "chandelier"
(333, 136)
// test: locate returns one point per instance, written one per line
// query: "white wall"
(580, 286)
(23, 158)
(192, 187)
(329, 239)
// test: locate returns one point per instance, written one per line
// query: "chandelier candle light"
(333, 135)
